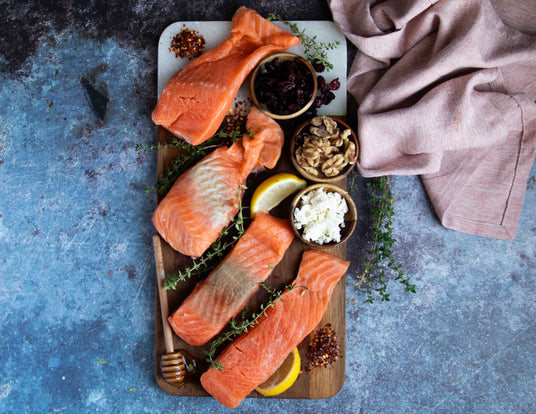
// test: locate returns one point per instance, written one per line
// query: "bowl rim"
(287, 56)
(350, 223)
(323, 178)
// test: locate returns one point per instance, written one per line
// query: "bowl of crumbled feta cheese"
(323, 215)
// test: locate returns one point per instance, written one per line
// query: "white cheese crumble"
(321, 216)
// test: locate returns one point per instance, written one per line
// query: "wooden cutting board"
(322, 382)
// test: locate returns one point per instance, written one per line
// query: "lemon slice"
(273, 190)
(282, 379)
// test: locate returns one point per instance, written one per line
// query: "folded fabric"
(446, 91)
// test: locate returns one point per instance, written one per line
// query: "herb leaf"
(216, 251)
(380, 262)
(314, 50)
(243, 324)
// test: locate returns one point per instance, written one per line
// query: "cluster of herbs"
(231, 129)
(315, 52)
(187, 44)
(242, 324)
(380, 264)
(217, 250)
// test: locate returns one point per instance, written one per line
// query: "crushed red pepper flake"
(323, 349)
(187, 44)
(233, 125)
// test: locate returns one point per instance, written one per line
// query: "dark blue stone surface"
(77, 292)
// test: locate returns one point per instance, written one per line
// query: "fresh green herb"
(216, 251)
(243, 324)
(380, 262)
(314, 50)
(189, 155)
(232, 128)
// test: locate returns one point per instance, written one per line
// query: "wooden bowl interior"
(321, 178)
(283, 56)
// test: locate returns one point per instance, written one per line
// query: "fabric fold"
(446, 91)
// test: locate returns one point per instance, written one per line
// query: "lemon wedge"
(273, 190)
(282, 379)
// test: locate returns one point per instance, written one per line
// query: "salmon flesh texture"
(219, 297)
(203, 199)
(197, 98)
(255, 355)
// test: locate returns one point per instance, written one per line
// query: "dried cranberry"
(334, 84)
(284, 86)
(317, 65)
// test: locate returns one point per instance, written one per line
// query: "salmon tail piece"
(219, 297)
(255, 355)
(197, 98)
(202, 200)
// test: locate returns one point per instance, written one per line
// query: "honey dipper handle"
(162, 294)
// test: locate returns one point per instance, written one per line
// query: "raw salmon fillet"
(197, 98)
(218, 298)
(255, 355)
(200, 203)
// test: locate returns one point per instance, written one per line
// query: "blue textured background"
(77, 269)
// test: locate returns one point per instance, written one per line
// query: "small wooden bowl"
(282, 56)
(350, 218)
(295, 142)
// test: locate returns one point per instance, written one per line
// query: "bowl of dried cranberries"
(283, 85)
(324, 149)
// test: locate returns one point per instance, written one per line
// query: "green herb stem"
(208, 261)
(314, 50)
(379, 263)
(243, 324)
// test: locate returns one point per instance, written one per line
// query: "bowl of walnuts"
(324, 149)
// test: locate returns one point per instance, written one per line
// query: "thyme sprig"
(314, 50)
(208, 261)
(231, 130)
(243, 324)
(380, 264)
(189, 155)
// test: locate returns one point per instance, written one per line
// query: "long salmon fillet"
(255, 355)
(197, 98)
(200, 203)
(218, 298)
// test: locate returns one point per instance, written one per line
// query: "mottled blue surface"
(77, 269)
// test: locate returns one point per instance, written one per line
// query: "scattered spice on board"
(323, 349)
(187, 43)
(233, 125)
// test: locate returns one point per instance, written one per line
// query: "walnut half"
(325, 150)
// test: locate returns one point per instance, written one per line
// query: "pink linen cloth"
(446, 90)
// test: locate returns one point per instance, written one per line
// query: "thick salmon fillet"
(197, 98)
(218, 298)
(200, 203)
(255, 355)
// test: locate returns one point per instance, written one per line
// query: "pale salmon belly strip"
(255, 355)
(197, 98)
(200, 203)
(218, 298)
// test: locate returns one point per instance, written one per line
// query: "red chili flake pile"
(187, 44)
(233, 125)
(323, 349)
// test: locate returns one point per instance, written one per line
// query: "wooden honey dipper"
(175, 366)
